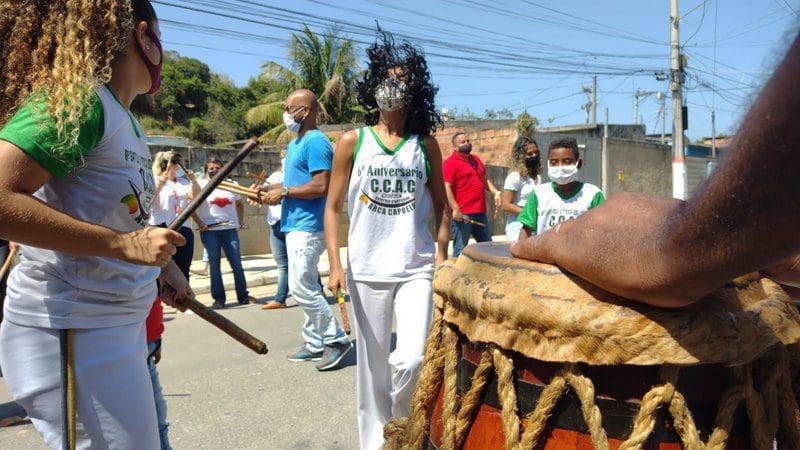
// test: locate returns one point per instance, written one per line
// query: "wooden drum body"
(521, 355)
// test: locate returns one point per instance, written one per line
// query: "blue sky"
(535, 55)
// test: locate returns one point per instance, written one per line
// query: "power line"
(494, 58)
(705, 2)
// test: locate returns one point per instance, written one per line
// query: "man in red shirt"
(465, 181)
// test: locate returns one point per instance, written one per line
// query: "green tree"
(505, 113)
(184, 88)
(324, 64)
(526, 124)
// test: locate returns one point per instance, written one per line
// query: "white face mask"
(291, 125)
(562, 174)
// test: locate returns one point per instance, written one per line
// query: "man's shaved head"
(303, 97)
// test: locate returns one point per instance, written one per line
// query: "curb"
(252, 281)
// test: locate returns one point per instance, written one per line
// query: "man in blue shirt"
(305, 185)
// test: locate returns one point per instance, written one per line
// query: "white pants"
(513, 228)
(320, 327)
(385, 382)
(114, 396)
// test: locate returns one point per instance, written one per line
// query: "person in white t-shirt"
(75, 191)
(175, 188)
(519, 184)
(219, 218)
(562, 199)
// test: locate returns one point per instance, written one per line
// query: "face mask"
(563, 174)
(212, 173)
(465, 148)
(291, 125)
(532, 162)
(154, 69)
(179, 173)
(390, 95)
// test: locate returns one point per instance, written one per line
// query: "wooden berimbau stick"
(7, 262)
(208, 314)
(252, 194)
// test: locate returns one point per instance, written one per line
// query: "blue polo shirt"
(304, 156)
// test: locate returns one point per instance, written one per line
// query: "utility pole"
(662, 98)
(713, 134)
(679, 184)
(589, 105)
(594, 99)
(640, 94)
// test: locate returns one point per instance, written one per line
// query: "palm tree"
(324, 64)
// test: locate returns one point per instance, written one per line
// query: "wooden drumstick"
(68, 410)
(343, 311)
(211, 316)
(222, 322)
(241, 190)
(473, 222)
(7, 262)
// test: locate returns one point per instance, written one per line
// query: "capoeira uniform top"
(106, 180)
(389, 207)
(546, 207)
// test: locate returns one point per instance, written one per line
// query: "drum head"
(544, 313)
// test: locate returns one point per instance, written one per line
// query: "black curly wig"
(383, 55)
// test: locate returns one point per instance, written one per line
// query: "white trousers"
(384, 381)
(114, 396)
(320, 327)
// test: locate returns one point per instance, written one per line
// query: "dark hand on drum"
(787, 272)
(618, 246)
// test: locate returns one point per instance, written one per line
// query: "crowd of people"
(76, 169)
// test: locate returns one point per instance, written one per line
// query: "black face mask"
(211, 173)
(532, 163)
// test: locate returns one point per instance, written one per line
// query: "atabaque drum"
(522, 355)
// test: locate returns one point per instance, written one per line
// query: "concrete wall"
(697, 170)
(637, 166)
(491, 139)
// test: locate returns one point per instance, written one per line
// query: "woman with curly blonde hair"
(520, 181)
(75, 192)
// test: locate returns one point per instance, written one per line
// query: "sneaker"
(304, 354)
(217, 305)
(333, 354)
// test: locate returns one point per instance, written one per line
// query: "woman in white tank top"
(391, 174)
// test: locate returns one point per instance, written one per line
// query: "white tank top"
(389, 206)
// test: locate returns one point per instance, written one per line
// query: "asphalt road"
(221, 395)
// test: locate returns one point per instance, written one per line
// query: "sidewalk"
(259, 270)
